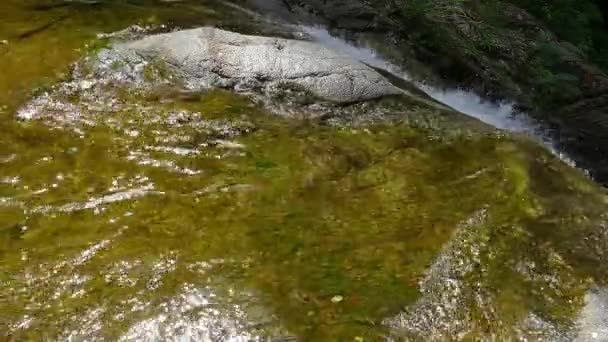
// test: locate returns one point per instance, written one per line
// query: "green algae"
(305, 213)
(43, 39)
(299, 212)
(379, 224)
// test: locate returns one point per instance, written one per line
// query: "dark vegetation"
(531, 44)
(580, 22)
(550, 56)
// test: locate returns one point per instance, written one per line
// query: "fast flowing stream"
(200, 216)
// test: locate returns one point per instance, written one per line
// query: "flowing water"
(500, 115)
(203, 217)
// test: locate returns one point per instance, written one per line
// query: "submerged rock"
(209, 57)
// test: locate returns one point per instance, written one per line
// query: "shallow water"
(159, 217)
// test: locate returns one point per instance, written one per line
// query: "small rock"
(337, 299)
(4, 42)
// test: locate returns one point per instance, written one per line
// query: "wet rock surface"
(135, 205)
(208, 57)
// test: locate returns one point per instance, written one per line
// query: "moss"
(156, 71)
(356, 212)
(42, 58)
(301, 214)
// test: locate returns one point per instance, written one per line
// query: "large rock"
(209, 57)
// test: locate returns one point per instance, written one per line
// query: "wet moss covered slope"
(131, 212)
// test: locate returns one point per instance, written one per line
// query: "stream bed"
(204, 217)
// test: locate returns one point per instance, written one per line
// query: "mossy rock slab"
(154, 201)
(139, 212)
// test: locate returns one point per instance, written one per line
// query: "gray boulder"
(209, 57)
